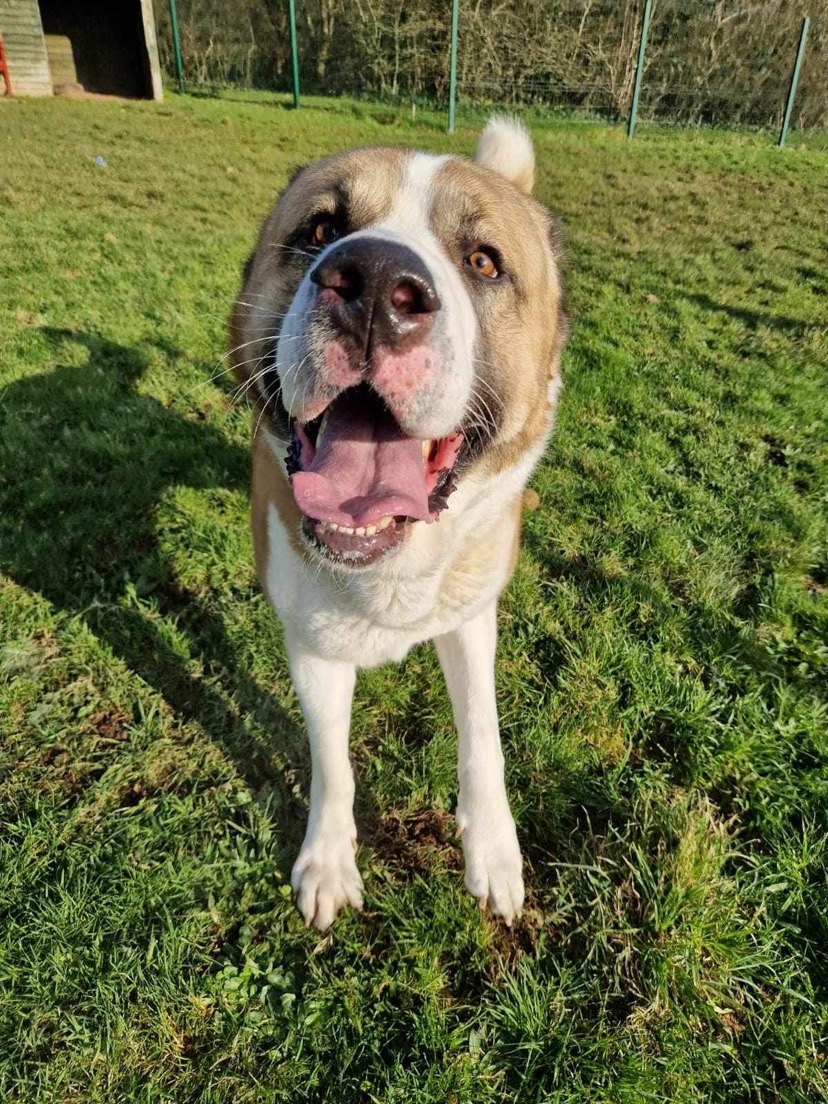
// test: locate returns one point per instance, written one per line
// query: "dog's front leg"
(325, 876)
(493, 861)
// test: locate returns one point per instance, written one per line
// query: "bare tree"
(707, 60)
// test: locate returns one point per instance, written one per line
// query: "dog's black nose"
(378, 292)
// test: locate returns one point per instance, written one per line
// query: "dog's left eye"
(483, 264)
(324, 230)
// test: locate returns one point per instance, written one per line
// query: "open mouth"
(361, 482)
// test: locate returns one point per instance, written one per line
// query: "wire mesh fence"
(717, 62)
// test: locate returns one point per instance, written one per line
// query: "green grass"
(662, 676)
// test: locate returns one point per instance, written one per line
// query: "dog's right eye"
(324, 230)
(484, 263)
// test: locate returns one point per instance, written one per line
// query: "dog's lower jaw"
(353, 551)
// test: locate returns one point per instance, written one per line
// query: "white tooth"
(370, 530)
(360, 530)
(334, 526)
(347, 530)
(322, 427)
(426, 449)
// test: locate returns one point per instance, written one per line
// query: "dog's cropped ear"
(506, 148)
(247, 268)
(295, 174)
(237, 318)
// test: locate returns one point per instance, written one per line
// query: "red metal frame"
(4, 68)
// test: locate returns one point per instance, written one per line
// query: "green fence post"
(800, 51)
(294, 51)
(455, 19)
(179, 64)
(639, 68)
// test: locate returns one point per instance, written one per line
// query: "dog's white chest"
(369, 626)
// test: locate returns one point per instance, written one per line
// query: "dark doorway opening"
(108, 43)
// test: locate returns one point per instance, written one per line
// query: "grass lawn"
(662, 677)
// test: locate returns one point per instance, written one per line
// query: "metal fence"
(701, 62)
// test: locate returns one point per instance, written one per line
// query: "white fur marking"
(325, 875)
(490, 845)
(506, 148)
(409, 221)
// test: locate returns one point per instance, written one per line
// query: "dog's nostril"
(346, 280)
(351, 283)
(408, 297)
(405, 299)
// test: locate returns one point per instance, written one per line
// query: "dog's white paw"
(494, 866)
(325, 876)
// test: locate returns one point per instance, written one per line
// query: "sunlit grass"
(662, 673)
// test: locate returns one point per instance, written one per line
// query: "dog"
(399, 328)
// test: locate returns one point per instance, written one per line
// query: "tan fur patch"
(478, 559)
(270, 487)
(531, 499)
(364, 182)
(518, 523)
(523, 327)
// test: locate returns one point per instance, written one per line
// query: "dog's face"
(403, 317)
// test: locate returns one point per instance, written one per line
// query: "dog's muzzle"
(376, 293)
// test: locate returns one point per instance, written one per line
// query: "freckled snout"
(377, 293)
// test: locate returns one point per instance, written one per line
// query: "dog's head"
(399, 326)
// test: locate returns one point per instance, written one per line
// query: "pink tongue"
(365, 469)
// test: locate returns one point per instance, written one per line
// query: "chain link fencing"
(707, 62)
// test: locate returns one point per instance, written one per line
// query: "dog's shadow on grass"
(87, 459)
